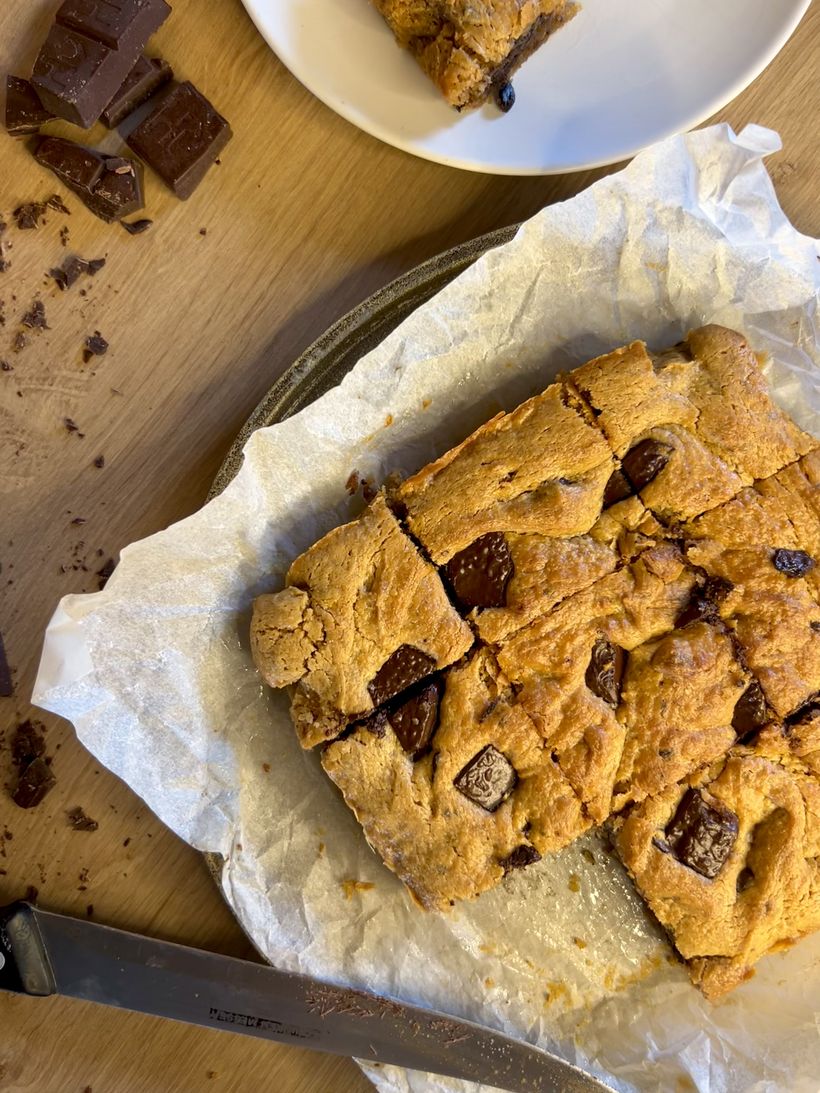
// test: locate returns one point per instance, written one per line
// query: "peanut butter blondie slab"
(363, 617)
(469, 48)
(691, 426)
(454, 786)
(729, 860)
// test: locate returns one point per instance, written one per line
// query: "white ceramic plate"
(622, 74)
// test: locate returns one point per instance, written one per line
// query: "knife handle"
(24, 964)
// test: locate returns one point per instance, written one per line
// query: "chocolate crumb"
(99, 461)
(31, 894)
(369, 490)
(35, 317)
(105, 572)
(79, 821)
(28, 216)
(95, 346)
(6, 685)
(136, 227)
(57, 203)
(64, 235)
(28, 743)
(78, 520)
(126, 841)
(5, 367)
(34, 783)
(20, 343)
(72, 427)
(5, 265)
(203, 231)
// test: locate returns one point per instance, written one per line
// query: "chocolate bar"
(148, 75)
(181, 138)
(110, 186)
(24, 111)
(90, 50)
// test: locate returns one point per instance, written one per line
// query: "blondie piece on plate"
(362, 618)
(470, 48)
(693, 425)
(729, 861)
(454, 786)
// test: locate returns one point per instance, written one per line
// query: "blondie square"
(362, 618)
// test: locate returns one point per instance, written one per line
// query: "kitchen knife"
(42, 953)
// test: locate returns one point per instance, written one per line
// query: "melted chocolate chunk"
(520, 858)
(415, 720)
(751, 712)
(701, 835)
(617, 489)
(792, 563)
(645, 461)
(401, 670)
(605, 671)
(704, 601)
(34, 783)
(488, 779)
(480, 573)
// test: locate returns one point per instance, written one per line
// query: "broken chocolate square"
(148, 75)
(24, 111)
(702, 835)
(480, 573)
(33, 784)
(110, 186)
(414, 721)
(488, 779)
(401, 670)
(181, 138)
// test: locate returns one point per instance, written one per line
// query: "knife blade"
(43, 953)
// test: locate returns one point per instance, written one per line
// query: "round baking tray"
(325, 363)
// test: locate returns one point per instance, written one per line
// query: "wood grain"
(300, 222)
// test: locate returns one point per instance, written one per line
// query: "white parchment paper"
(155, 674)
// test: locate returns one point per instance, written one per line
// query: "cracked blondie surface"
(600, 607)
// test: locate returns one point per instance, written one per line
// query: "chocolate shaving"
(35, 317)
(136, 227)
(6, 685)
(28, 216)
(79, 821)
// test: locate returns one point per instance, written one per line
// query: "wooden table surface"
(304, 218)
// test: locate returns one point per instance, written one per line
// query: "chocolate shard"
(792, 563)
(805, 711)
(605, 671)
(644, 462)
(520, 858)
(751, 712)
(90, 50)
(488, 779)
(618, 488)
(415, 720)
(79, 821)
(701, 835)
(111, 187)
(401, 670)
(181, 138)
(6, 685)
(24, 111)
(136, 227)
(479, 574)
(148, 75)
(33, 784)
(27, 744)
(704, 602)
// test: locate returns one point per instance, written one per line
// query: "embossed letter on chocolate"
(89, 51)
